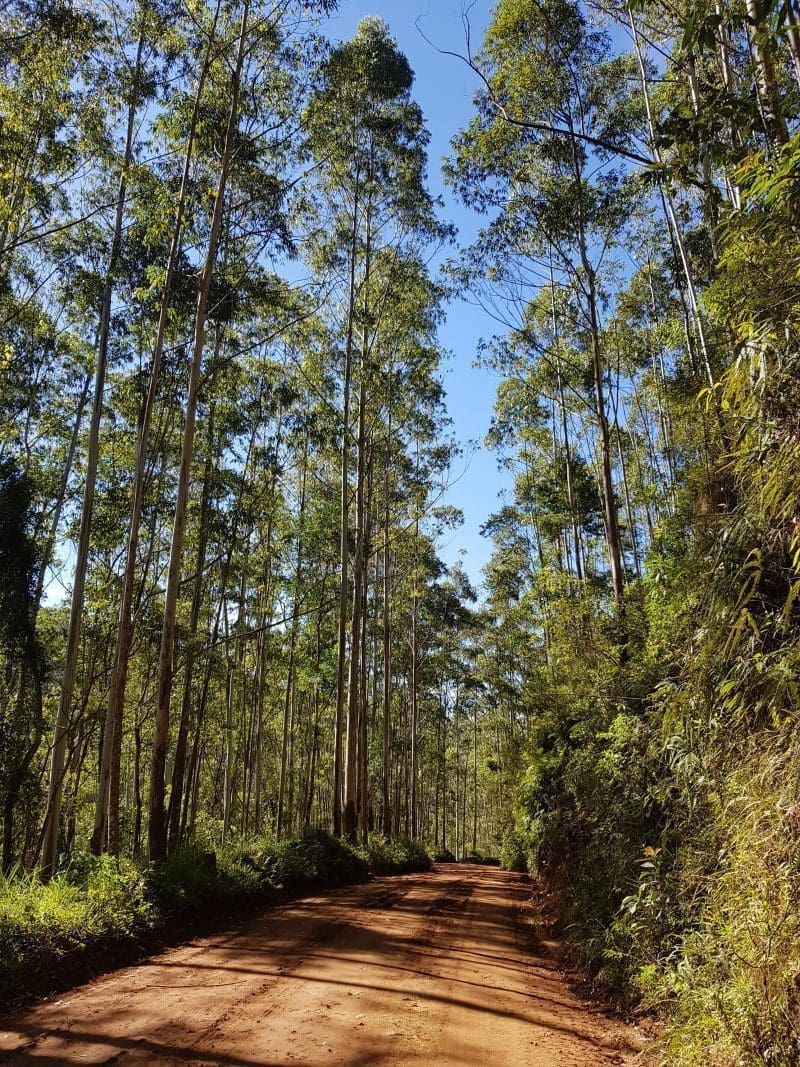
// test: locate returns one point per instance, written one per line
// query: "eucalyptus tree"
(132, 85)
(107, 799)
(50, 110)
(253, 91)
(446, 624)
(48, 122)
(368, 138)
(556, 198)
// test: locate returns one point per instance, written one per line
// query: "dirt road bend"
(435, 969)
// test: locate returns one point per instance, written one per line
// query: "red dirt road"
(436, 969)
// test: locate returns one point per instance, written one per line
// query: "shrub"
(513, 856)
(481, 858)
(399, 855)
(107, 903)
(194, 879)
(732, 979)
(312, 861)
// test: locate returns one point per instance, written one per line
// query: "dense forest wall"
(224, 444)
(643, 587)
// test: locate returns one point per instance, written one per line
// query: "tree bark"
(766, 79)
(344, 535)
(351, 765)
(287, 705)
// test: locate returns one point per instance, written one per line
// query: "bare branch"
(532, 124)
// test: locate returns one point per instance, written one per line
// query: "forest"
(232, 654)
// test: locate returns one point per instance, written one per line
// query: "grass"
(731, 989)
(89, 904)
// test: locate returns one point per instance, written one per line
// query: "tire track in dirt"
(423, 969)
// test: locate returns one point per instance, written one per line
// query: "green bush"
(195, 879)
(96, 903)
(104, 902)
(314, 860)
(670, 826)
(732, 978)
(481, 858)
(399, 855)
(513, 856)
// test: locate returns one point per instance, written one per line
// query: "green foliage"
(630, 688)
(653, 736)
(481, 858)
(727, 966)
(513, 856)
(195, 880)
(98, 902)
(92, 901)
(313, 861)
(400, 855)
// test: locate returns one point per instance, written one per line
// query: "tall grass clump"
(92, 901)
(732, 982)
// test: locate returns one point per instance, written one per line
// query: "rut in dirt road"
(429, 969)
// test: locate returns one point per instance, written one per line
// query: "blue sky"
(444, 87)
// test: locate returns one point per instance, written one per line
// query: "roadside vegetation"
(100, 909)
(644, 617)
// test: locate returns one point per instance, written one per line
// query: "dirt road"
(437, 969)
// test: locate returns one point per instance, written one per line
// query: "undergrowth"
(399, 855)
(731, 984)
(676, 856)
(97, 903)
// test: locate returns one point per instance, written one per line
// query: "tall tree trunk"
(157, 823)
(108, 785)
(363, 738)
(316, 725)
(414, 686)
(475, 779)
(287, 705)
(359, 562)
(767, 90)
(387, 624)
(573, 511)
(609, 498)
(344, 534)
(179, 764)
(351, 765)
(458, 850)
(676, 233)
(227, 787)
(62, 725)
(793, 37)
(613, 539)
